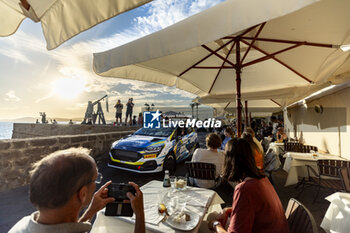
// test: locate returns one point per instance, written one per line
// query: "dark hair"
(56, 178)
(250, 131)
(239, 161)
(229, 131)
(213, 141)
(249, 138)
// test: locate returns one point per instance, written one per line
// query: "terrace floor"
(14, 204)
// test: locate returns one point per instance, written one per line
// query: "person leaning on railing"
(256, 207)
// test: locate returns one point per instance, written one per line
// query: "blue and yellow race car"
(153, 150)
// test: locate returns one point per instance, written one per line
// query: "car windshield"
(161, 132)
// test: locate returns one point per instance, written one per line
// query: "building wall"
(329, 130)
(26, 130)
(17, 155)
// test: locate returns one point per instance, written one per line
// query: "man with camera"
(61, 185)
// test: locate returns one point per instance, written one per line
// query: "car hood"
(137, 142)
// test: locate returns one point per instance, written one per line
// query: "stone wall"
(27, 130)
(17, 155)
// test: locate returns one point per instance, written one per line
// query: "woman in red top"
(256, 207)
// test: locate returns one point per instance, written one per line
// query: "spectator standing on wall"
(129, 108)
(140, 119)
(118, 114)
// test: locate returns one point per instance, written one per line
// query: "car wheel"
(170, 163)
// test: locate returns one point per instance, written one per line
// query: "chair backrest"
(299, 147)
(199, 170)
(299, 218)
(330, 167)
(345, 177)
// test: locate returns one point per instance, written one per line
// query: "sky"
(60, 82)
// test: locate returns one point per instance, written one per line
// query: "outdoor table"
(337, 217)
(276, 147)
(198, 200)
(295, 164)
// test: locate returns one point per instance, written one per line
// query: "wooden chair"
(203, 171)
(299, 218)
(345, 178)
(328, 175)
(298, 147)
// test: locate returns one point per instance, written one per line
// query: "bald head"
(56, 178)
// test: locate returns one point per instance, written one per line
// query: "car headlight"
(114, 144)
(154, 149)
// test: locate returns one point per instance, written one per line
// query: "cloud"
(48, 96)
(74, 60)
(163, 13)
(11, 96)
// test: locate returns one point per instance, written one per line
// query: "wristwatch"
(215, 223)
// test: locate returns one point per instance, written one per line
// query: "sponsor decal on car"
(150, 156)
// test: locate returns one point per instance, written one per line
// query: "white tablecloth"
(295, 164)
(199, 200)
(276, 147)
(337, 217)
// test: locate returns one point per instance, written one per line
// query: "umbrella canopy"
(259, 46)
(255, 108)
(281, 97)
(61, 19)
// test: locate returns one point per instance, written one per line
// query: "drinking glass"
(181, 204)
(172, 181)
(181, 182)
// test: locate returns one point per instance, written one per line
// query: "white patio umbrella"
(254, 108)
(61, 19)
(259, 46)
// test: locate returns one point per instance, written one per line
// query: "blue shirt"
(224, 142)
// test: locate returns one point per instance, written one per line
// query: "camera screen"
(118, 191)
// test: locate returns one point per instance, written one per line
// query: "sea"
(6, 130)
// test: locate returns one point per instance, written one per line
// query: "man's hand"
(137, 200)
(99, 201)
(137, 205)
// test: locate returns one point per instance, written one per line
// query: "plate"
(186, 226)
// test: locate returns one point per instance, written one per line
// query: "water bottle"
(166, 181)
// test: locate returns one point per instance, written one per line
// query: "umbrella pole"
(250, 118)
(238, 88)
(246, 114)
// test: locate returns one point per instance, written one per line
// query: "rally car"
(150, 150)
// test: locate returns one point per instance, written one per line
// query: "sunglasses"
(98, 178)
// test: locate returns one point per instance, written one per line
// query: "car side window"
(189, 130)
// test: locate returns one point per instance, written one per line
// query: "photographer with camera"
(62, 184)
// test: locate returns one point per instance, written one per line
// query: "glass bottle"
(166, 181)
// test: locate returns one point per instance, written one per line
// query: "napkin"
(197, 199)
(152, 215)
